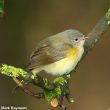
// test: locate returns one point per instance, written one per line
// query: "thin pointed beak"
(84, 38)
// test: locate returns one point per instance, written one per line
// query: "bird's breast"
(65, 65)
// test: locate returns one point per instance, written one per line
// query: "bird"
(57, 54)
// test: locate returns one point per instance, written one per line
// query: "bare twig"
(26, 90)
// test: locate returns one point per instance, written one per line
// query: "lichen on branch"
(51, 90)
(11, 71)
(96, 33)
(57, 91)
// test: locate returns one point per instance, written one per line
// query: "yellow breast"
(65, 65)
(73, 53)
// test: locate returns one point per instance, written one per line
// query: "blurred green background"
(26, 22)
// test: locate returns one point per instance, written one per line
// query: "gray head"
(76, 37)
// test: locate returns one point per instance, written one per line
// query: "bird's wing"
(47, 53)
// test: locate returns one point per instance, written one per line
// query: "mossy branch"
(11, 71)
(54, 91)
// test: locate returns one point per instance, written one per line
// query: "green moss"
(49, 95)
(45, 81)
(12, 71)
(60, 80)
(58, 90)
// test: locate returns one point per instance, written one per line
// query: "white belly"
(60, 67)
(63, 66)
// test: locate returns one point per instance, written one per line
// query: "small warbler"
(57, 54)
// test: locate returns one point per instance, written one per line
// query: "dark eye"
(76, 39)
